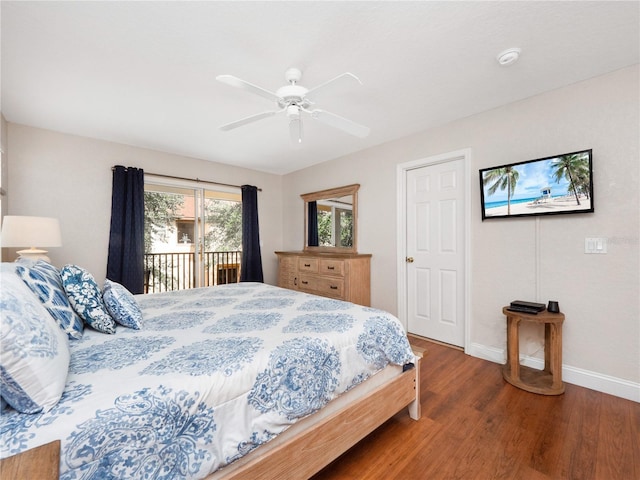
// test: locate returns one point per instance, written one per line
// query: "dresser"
(344, 276)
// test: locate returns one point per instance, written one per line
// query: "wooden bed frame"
(313, 443)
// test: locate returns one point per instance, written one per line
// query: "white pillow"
(34, 351)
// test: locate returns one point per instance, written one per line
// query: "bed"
(235, 381)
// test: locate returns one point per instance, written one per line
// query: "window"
(192, 236)
(335, 225)
(186, 230)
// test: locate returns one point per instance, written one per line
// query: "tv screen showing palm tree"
(545, 186)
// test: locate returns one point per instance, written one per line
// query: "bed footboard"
(333, 435)
(415, 410)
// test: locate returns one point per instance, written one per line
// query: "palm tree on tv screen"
(504, 178)
(574, 168)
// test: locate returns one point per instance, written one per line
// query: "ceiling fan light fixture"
(509, 56)
(293, 112)
(295, 130)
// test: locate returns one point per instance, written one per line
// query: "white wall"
(599, 294)
(69, 177)
(4, 170)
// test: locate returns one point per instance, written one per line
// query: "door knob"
(409, 259)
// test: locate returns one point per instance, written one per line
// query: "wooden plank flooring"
(474, 425)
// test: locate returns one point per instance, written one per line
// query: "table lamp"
(22, 231)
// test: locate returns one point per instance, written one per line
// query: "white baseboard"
(492, 354)
(576, 376)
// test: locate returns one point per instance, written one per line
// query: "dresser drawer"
(308, 265)
(330, 287)
(331, 267)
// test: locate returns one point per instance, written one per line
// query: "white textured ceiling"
(143, 73)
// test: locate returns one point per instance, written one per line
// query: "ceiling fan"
(293, 100)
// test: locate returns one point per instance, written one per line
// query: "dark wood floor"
(474, 425)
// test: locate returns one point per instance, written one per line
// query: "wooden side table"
(544, 382)
(42, 463)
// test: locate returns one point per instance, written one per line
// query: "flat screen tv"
(545, 186)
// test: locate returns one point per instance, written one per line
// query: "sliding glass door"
(193, 236)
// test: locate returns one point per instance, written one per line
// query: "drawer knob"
(331, 268)
(304, 282)
(333, 287)
(307, 264)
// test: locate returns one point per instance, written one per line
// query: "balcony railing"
(164, 272)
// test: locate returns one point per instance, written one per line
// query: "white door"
(435, 251)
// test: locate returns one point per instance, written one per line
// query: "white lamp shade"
(19, 231)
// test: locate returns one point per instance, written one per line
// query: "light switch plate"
(595, 245)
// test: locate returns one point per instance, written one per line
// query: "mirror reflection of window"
(325, 227)
(344, 227)
(330, 219)
(334, 221)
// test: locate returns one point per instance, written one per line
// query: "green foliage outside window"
(346, 228)
(325, 227)
(224, 226)
(160, 213)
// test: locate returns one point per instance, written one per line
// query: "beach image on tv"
(559, 184)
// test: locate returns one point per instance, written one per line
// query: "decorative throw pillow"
(34, 351)
(122, 305)
(86, 299)
(44, 280)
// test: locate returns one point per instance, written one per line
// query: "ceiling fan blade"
(250, 87)
(246, 120)
(342, 123)
(322, 85)
(295, 130)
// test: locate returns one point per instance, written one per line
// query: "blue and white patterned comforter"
(214, 373)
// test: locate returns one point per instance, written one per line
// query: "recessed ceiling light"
(508, 57)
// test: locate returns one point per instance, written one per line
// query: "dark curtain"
(251, 268)
(125, 263)
(312, 220)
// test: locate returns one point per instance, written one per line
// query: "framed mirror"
(330, 220)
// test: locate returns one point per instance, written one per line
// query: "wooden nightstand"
(42, 463)
(544, 382)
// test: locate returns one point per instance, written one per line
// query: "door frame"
(401, 179)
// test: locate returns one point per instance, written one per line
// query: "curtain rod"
(197, 180)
